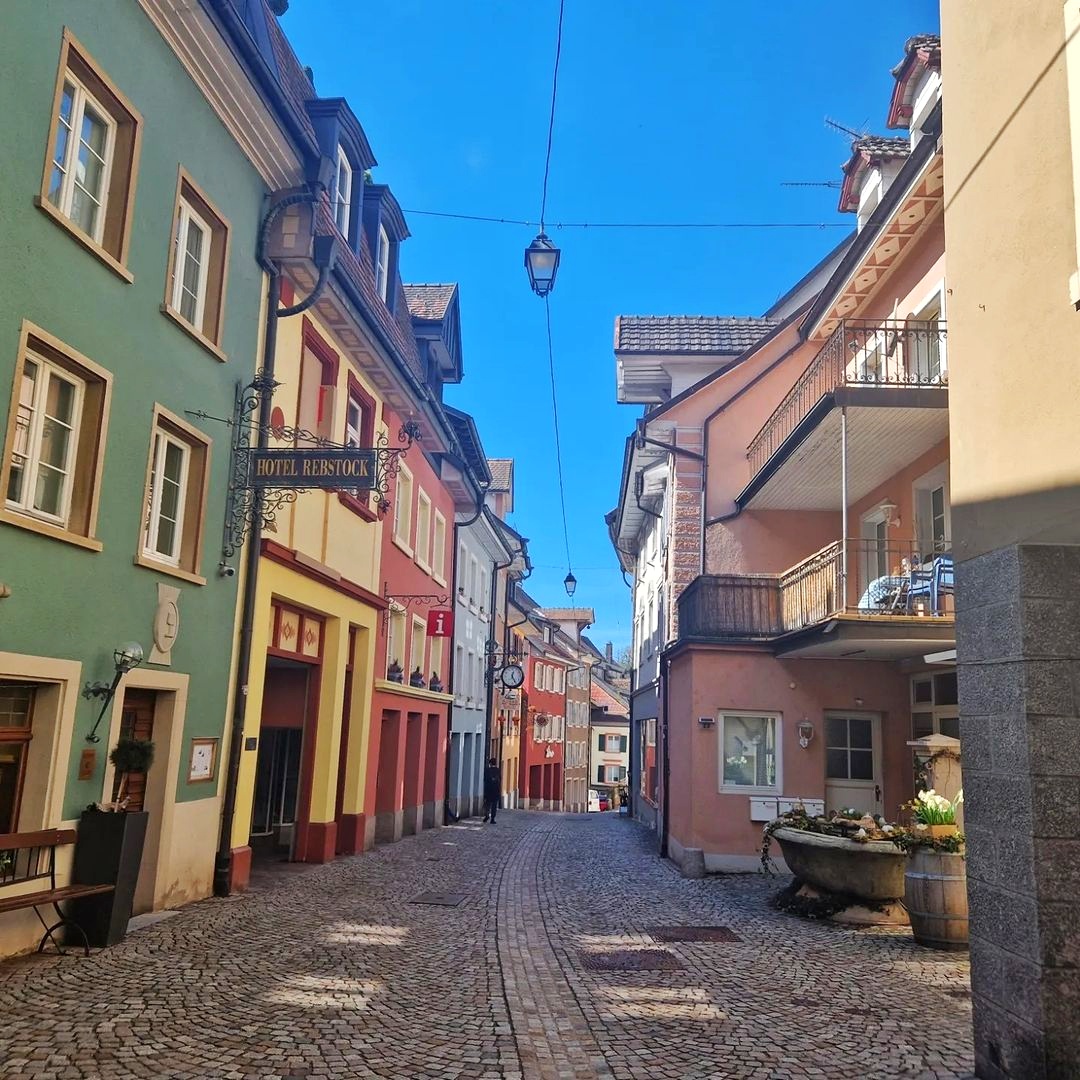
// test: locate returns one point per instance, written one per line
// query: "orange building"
(787, 498)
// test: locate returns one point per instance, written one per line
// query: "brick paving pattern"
(334, 971)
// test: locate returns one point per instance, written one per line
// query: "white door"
(853, 762)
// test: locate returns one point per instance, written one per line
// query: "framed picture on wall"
(202, 766)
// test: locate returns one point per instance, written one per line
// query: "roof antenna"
(843, 129)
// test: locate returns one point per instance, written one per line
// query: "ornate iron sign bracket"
(246, 503)
(406, 600)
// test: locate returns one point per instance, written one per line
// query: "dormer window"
(382, 262)
(342, 193)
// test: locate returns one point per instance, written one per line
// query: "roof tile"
(689, 333)
(428, 301)
(502, 473)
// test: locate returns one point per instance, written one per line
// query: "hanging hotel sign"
(353, 468)
(264, 480)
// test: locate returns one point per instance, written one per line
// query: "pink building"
(785, 512)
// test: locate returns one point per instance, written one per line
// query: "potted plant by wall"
(417, 678)
(935, 880)
(109, 848)
(395, 672)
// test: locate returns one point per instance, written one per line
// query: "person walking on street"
(492, 789)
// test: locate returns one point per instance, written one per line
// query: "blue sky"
(689, 110)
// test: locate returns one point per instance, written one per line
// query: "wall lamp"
(888, 511)
(806, 732)
(125, 658)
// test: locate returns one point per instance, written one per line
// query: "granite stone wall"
(1018, 650)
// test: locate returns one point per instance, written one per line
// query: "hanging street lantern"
(542, 263)
(571, 583)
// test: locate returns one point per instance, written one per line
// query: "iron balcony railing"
(878, 579)
(864, 354)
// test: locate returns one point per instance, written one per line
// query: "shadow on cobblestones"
(332, 971)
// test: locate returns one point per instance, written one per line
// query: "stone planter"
(872, 871)
(935, 894)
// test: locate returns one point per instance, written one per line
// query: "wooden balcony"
(872, 580)
(876, 356)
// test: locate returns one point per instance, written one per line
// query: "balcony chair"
(933, 580)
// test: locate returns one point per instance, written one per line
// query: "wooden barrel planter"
(935, 895)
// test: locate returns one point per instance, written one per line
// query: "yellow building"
(1012, 222)
(345, 351)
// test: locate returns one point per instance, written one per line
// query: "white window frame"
(65, 198)
(188, 216)
(423, 543)
(353, 433)
(25, 504)
(162, 440)
(343, 206)
(403, 509)
(382, 262)
(924, 487)
(740, 789)
(474, 580)
(460, 673)
(396, 636)
(438, 548)
(538, 676)
(417, 631)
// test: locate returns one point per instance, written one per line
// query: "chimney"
(608, 653)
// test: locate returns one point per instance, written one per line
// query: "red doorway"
(281, 806)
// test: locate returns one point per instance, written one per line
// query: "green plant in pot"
(130, 755)
(935, 816)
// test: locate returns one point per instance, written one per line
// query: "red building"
(543, 731)
(412, 680)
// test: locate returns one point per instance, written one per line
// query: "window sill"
(738, 789)
(164, 568)
(403, 546)
(439, 579)
(411, 691)
(43, 528)
(357, 506)
(423, 565)
(200, 339)
(87, 242)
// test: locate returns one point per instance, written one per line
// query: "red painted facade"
(540, 775)
(406, 764)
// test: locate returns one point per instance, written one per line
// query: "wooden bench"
(31, 856)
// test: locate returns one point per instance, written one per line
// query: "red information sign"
(440, 623)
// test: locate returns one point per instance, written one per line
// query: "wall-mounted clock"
(512, 676)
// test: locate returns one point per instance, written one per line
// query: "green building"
(132, 184)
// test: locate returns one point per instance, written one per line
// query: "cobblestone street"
(336, 971)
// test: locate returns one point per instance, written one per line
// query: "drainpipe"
(666, 768)
(323, 254)
(844, 502)
(496, 568)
